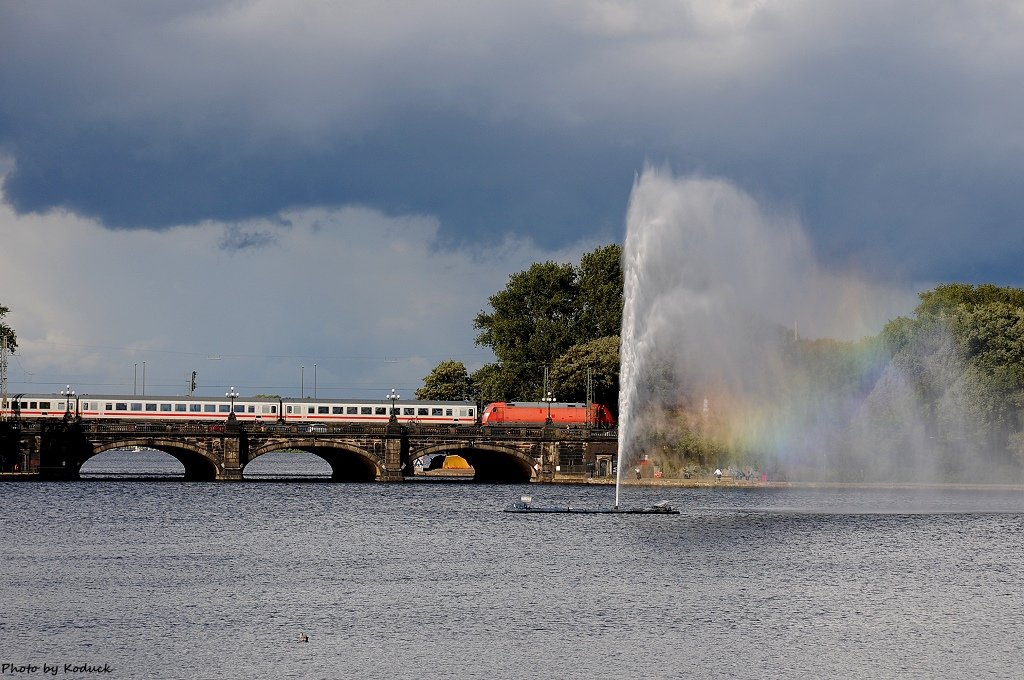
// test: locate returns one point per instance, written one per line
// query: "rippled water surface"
(169, 579)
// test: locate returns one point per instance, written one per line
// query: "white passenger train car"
(263, 409)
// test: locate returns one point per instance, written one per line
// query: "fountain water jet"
(712, 282)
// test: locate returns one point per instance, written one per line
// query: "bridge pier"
(234, 449)
(396, 454)
(550, 454)
(230, 469)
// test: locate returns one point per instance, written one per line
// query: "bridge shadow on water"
(126, 464)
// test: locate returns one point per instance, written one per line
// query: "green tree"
(598, 358)
(534, 317)
(600, 293)
(540, 316)
(8, 332)
(449, 381)
(945, 299)
(545, 312)
(963, 354)
(534, 320)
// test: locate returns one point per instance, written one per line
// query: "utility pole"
(590, 397)
(3, 374)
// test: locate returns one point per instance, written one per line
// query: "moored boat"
(525, 505)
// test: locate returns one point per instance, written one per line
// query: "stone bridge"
(57, 449)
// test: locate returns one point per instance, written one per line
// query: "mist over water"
(736, 335)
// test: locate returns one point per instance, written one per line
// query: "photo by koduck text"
(54, 669)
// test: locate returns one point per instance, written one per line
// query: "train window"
(266, 408)
(166, 407)
(351, 410)
(32, 404)
(45, 404)
(209, 408)
(150, 407)
(24, 404)
(195, 408)
(336, 410)
(310, 410)
(273, 408)
(323, 409)
(136, 406)
(60, 405)
(252, 408)
(289, 408)
(408, 411)
(470, 413)
(120, 406)
(224, 408)
(447, 411)
(239, 408)
(380, 411)
(110, 407)
(436, 411)
(422, 412)
(365, 410)
(85, 405)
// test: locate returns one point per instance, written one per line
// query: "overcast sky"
(279, 184)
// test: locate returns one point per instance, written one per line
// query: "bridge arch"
(199, 464)
(349, 463)
(492, 462)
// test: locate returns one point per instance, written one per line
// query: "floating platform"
(524, 505)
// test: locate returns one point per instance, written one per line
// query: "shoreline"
(757, 484)
(570, 480)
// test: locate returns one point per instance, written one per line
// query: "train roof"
(272, 400)
(544, 404)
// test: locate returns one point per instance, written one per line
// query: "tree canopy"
(449, 381)
(963, 353)
(548, 317)
(8, 332)
(556, 316)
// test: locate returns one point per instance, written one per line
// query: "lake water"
(173, 579)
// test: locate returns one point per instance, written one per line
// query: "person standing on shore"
(718, 474)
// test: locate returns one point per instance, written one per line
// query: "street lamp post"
(548, 398)
(394, 397)
(232, 395)
(68, 395)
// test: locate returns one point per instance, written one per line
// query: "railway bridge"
(57, 448)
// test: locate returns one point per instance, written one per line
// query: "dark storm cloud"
(892, 130)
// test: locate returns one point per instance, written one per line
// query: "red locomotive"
(536, 413)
